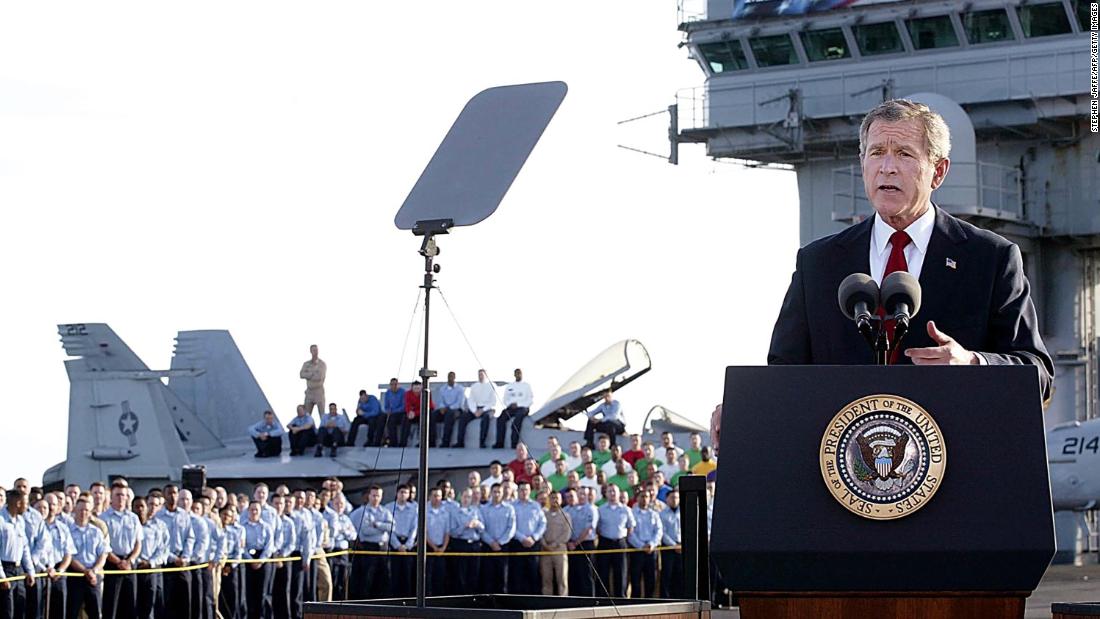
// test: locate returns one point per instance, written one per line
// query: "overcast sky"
(237, 166)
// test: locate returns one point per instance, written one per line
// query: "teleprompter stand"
(977, 548)
(462, 185)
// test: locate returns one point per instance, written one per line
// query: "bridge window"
(932, 32)
(1081, 8)
(773, 51)
(987, 26)
(875, 39)
(1043, 20)
(827, 44)
(724, 56)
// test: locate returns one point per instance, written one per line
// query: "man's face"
(279, 503)
(22, 485)
(269, 419)
(643, 500)
(54, 504)
(186, 500)
(301, 411)
(42, 508)
(158, 502)
(72, 491)
(518, 375)
(118, 499)
(299, 500)
(81, 513)
(498, 494)
(589, 469)
(254, 512)
(575, 449)
(897, 174)
(696, 441)
(473, 479)
(417, 387)
(559, 467)
(613, 494)
(603, 443)
(482, 376)
(524, 492)
(648, 449)
(393, 385)
(99, 495)
(171, 496)
(375, 497)
(436, 497)
(402, 495)
(332, 409)
(521, 452)
(312, 352)
(141, 508)
(607, 397)
(666, 440)
(451, 378)
(494, 470)
(260, 494)
(672, 499)
(616, 452)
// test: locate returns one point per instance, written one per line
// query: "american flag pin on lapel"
(951, 263)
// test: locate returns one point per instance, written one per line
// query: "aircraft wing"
(615, 367)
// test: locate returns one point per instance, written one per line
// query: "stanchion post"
(693, 536)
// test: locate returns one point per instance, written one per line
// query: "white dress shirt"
(920, 231)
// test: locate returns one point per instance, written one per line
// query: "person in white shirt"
(517, 402)
(573, 459)
(671, 466)
(481, 401)
(496, 474)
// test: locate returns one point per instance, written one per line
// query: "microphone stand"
(874, 331)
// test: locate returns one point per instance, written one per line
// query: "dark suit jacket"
(984, 302)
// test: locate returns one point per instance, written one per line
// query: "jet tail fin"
(226, 397)
(122, 419)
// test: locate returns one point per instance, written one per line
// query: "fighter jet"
(125, 420)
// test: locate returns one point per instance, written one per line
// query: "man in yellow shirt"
(706, 464)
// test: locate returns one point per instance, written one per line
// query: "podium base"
(882, 605)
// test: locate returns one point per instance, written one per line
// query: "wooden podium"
(977, 547)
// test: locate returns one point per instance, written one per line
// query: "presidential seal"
(883, 457)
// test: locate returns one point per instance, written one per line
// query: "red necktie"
(896, 262)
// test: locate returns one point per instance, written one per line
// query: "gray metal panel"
(481, 154)
(226, 396)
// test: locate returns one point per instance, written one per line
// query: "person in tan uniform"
(313, 371)
(552, 568)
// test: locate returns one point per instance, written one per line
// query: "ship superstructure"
(788, 82)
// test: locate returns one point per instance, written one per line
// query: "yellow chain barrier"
(341, 553)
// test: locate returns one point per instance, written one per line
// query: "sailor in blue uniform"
(370, 574)
(124, 537)
(616, 523)
(500, 528)
(91, 553)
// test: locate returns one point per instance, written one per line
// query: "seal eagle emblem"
(883, 457)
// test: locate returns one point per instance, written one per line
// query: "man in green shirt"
(603, 451)
(695, 451)
(642, 464)
(685, 468)
(620, 477)
(559, 479)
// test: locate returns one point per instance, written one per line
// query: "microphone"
(858, 296)
(900, 298)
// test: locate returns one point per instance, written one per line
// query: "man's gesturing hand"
(949, 352)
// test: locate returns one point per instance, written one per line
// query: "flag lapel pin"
(951, 264)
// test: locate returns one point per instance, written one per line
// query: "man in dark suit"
(976, 305)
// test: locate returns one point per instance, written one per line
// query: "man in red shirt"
(635, 452)
(412, 412)
(518, 465)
